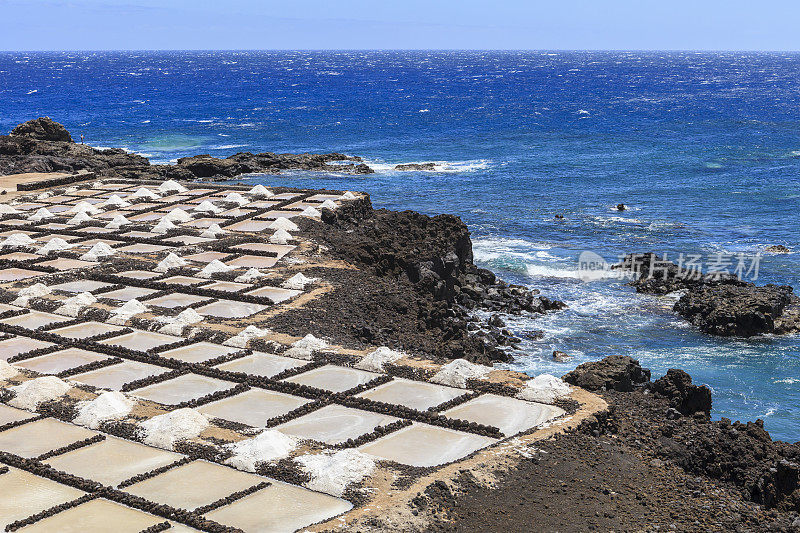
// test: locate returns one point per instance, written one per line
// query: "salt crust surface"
(297, 282)
(164, 431)
(544, 388)
(110, 405)
(31, 393)
(243, 337)
(267, 446)
(331, 473)
(374, 361)
(457, 372)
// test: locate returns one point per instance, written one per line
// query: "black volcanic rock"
(43, 145)
(416, 166)
(615, 372)
(684, 396)
(717, 304)
(42, 129)
(739, 310)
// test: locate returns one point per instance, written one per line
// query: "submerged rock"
(416, 166)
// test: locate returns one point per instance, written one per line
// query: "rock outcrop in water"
(720, 305)
(416, 166)
(43, 145)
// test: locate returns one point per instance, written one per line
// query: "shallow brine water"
(704, 148)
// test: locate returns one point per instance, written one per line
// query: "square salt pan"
(25, 494)
(333, 378)
(142, 248)
(87, 329)
(279, 249)
(182, 389)
(59, 361)
(183, 280)
(16, 274)
(206, 257)
(230, 309)
(194, 485)
(198, 352)
(138, 274)
(510, 415)
(414, 394)
(177, 299)
(112, 461)
(291, 508)
(253, 407)
(275, 294)
(114, 377)
(81, 285)
(10, 414)
(34, 319)
(141, 340)
(425, 446)
(35, 438)
(334, 424)
(261, 364)
(127, 294)
(253, 261)
(96, 516)
(63, 263)
(17, 345)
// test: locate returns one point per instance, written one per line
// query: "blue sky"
(407, 24)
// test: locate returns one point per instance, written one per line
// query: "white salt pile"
(164, 431)
(175, 324)
(31, 393)
(214, 267)
(115, 201)
(305, 347)
(328, 204)
(125, 312)
(171, 186)
(213, 231)
(250, 275)
(269, 445)
(143, 192)
(56, 244)
(544, 388)
(178, 215)
(72, 306)
(207, 207)
(111, 405)
(97, 184)
(80, 218)
(311, 212)
(348, 196)
(44, 196)
(70, 190)
(34, 291)
(164, 225)
(259, 191)
(284, 224)
(6, 209)
(331, 473)
(236, 198)
(241, 339)
(297, 282)
(83, 207)
(7, 371)
(374, 361)
(280, 237)
(98, 251)
(16, 239)
(457, 372)
(117, 222)
(170, 262)
(41, 214)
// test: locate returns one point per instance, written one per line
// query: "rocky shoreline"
(652, 460)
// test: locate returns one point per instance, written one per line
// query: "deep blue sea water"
(704, 147)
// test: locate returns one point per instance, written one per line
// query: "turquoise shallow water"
(704, 147)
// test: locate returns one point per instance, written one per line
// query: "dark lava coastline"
(652, 461)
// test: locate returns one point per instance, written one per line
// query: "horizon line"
(592, 50)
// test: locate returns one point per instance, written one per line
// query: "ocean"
(703, 147)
